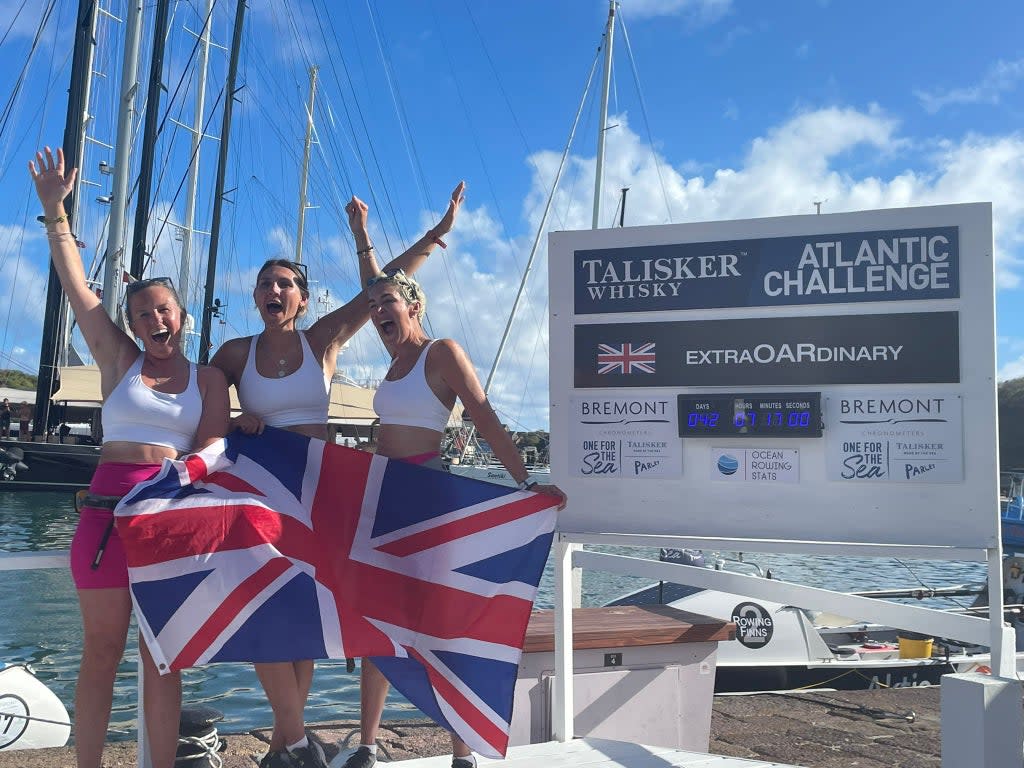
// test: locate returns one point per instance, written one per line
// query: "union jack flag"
(625, 358)
(280, 547)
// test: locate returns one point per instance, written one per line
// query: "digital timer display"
(765, 414)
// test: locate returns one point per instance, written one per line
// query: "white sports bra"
(302, 397)
(136, 413)
(409, 401)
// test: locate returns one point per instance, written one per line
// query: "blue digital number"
(699, 419)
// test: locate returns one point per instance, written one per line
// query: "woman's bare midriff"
(398, 442)
(135, 453)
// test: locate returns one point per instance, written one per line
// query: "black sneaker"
(308, 757)
(462, 762)
(361, 758)
(277, 760)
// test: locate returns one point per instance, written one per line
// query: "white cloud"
(783, 172)
(22, 297)
(1002, 77)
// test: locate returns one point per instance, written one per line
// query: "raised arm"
(412, 259)
(458, 373)
(106, 341)
(334, 329)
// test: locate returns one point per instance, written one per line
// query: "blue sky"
(743, 110)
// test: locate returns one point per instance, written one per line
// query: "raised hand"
(448, 220)
(52, 185)
(357, 211)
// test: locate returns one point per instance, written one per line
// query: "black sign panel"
(884, 265)
(911, 348)
(760, 414)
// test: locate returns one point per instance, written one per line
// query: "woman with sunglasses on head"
(413, 403)
(156, 405)
(283, 378)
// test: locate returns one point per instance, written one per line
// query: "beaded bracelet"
(367, 249)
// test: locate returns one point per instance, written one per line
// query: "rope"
(208, 746)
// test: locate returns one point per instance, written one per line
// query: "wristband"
(526, 485)
(436, 240)
(367, 249)
(44, 221)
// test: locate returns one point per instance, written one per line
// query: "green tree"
(17, 380)
(1011, 424)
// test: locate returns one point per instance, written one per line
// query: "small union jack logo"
(625, 358)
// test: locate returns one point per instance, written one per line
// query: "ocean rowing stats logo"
(625, 358)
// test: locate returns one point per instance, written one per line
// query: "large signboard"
(809, 378)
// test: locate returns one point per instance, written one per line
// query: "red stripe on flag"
(228, 611)
(481, 521)
(195, 467)
(194, 531)
(428, 607)
(232, 483)
(467, 710)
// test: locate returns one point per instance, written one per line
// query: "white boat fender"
(31, 715)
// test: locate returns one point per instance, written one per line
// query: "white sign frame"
(960, 515)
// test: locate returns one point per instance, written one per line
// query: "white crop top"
(137, 413)
(409, 401)
(301, 397)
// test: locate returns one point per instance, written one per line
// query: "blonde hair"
(408, 288)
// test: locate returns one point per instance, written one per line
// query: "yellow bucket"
(918, 647)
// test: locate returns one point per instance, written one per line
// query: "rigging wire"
(403, 118)
(5, 114)
(643, 111)
(370, 144)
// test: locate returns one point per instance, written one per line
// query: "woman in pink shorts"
(156, 405)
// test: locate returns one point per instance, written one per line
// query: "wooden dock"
(894, 728)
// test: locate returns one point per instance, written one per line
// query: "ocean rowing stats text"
(767, 414)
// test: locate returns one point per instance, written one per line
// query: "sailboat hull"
(49, 466)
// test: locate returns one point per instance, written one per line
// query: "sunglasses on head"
(387, 276)
(298, 266)
(148, 282)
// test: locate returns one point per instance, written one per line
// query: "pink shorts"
(111, 479)
(431, 460)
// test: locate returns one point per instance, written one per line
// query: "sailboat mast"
(218, 199)
(602, 126)
(148, 158)
(56, 305)
(184, 274)
(113, 259)
(83, 137)
(305, 164)
(533, 252)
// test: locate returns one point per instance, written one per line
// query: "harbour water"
(39, 622)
